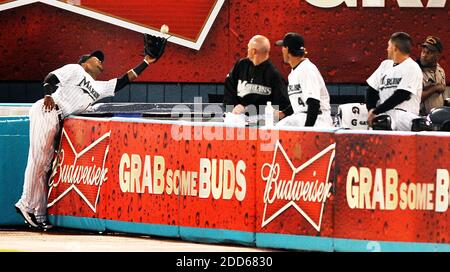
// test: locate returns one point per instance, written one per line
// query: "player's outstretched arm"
(154, 48)
(132, 74)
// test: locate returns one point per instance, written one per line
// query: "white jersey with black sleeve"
(305, 81)
(390, 77)
(77, 90)
(405, 76)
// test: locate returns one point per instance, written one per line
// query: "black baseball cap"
(98, 54)
(433, 43)
(294, 42)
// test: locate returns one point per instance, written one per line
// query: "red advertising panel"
(190, 15)
(166, 174)
(129, 163)
(235, 184)
(294, 185)
(433, 167)
(81, 172)
(221, 164)
(392, 187)
(139, 189)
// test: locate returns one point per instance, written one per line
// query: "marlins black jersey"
(247, 84)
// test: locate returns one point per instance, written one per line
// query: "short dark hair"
(402, 41)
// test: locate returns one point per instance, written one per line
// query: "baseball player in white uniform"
(395, 87)
(69, 90)
(307, 91)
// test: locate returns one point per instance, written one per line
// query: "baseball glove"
(154, 46)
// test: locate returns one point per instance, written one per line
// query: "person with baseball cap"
(68, 90)
(435, 91)
(307, 91)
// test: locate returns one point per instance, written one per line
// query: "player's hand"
(239, 109)
(440, 88)
(49, 103)
(149, 59)
(279, 114)
(370, 117)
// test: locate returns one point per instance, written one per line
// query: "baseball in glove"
(154, 46)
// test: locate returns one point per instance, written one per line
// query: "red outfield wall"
(347, 44)
(393, 187)
(292, 189)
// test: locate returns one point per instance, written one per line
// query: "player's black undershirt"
(50, 83)
(397, 98)
(313, 111)
(121, 82)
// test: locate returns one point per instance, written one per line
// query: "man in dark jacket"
(255, 81)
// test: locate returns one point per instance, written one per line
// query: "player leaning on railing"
(68, 90)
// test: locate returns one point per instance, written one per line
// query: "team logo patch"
(80, 171)
(304, 188)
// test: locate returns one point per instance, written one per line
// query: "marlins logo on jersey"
(86, 86)
(244, 88)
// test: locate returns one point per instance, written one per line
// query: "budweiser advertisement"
(295, 185)
(147, 173)
(315, 190)
(392, 187)
(80, 171)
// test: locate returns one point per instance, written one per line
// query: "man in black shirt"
(255, 81)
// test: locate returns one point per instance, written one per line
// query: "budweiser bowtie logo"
(306, 187)
(83, 172)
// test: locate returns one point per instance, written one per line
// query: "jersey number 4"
(300, 102)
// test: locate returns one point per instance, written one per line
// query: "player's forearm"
(136, 71)
(131, 75)
(397, 98)
(313, 111)
(429, 90)
(372, 98)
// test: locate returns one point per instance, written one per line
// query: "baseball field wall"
(346, 40)
(14, 142)
(326, 190)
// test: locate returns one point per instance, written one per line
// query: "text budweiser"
(80, 174)
(295, 190)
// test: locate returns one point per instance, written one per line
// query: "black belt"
(320, 112)
(60, 115)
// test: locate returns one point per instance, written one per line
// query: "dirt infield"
(64, 240)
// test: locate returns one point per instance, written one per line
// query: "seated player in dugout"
(435, 92)
(68, 90)
(307, 90)
(254, 80)
(395, 87)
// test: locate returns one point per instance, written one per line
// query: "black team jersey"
(247, 84)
